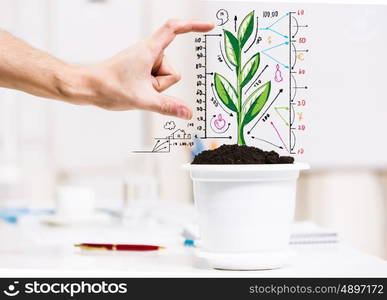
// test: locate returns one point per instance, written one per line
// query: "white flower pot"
(245, 212)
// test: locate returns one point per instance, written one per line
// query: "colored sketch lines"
(284, 36)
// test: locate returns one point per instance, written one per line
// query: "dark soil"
(240, 155)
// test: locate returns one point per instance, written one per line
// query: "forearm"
(27, 69)
(132, 79)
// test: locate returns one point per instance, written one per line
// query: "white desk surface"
(33, 250)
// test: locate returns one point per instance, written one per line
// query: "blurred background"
(46, 145)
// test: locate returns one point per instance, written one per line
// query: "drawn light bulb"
(278, 76)
(222, 15)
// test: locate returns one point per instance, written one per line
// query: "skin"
(132, 79)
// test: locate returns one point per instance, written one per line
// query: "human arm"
(132, 79)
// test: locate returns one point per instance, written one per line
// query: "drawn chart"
(251, 84)
(251, 69)
(178, 137)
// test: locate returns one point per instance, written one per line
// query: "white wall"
(45, 137)
(175, 183)
(87, 32)
(88, 145)
(24, 125)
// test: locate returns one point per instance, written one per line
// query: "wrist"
(75, 84)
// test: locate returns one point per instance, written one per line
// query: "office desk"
(39, 251)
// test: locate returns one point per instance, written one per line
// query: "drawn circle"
(218, 124)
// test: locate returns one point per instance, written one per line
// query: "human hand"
(135, 77)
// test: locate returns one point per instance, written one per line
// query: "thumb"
(171, 106)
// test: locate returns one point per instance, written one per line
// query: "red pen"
(118, 247)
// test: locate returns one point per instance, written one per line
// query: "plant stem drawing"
(246, 109)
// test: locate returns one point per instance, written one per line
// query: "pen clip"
(87, 247)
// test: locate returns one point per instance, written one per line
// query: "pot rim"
(247, 167)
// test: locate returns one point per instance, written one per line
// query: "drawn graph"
(251, 80)
(163, 144)
(280, 37)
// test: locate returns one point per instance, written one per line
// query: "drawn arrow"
(293, 115)
(279, 147)
(295, 56)
(257, 78)
(279, 92)
(160, 150)
(224, 59)
(294, 141)
(210, 34)
(293, 36)
(276, 60)
(275, 31)
(283, 143)
(264, 52)
(213, 92)
(158, 147)
(158, 141)
(276, 46)
(235, 22)
(255, 38)
(281, 18)
(282, 108)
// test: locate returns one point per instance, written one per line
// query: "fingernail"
(183, 113)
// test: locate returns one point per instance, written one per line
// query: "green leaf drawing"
(245, 29)
(246, 104)
(232, 49)
(233, 97)
(249, 69)
(258, 102)
(225, 91)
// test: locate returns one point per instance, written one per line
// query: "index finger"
(165, 35)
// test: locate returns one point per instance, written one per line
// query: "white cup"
(75, 202)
